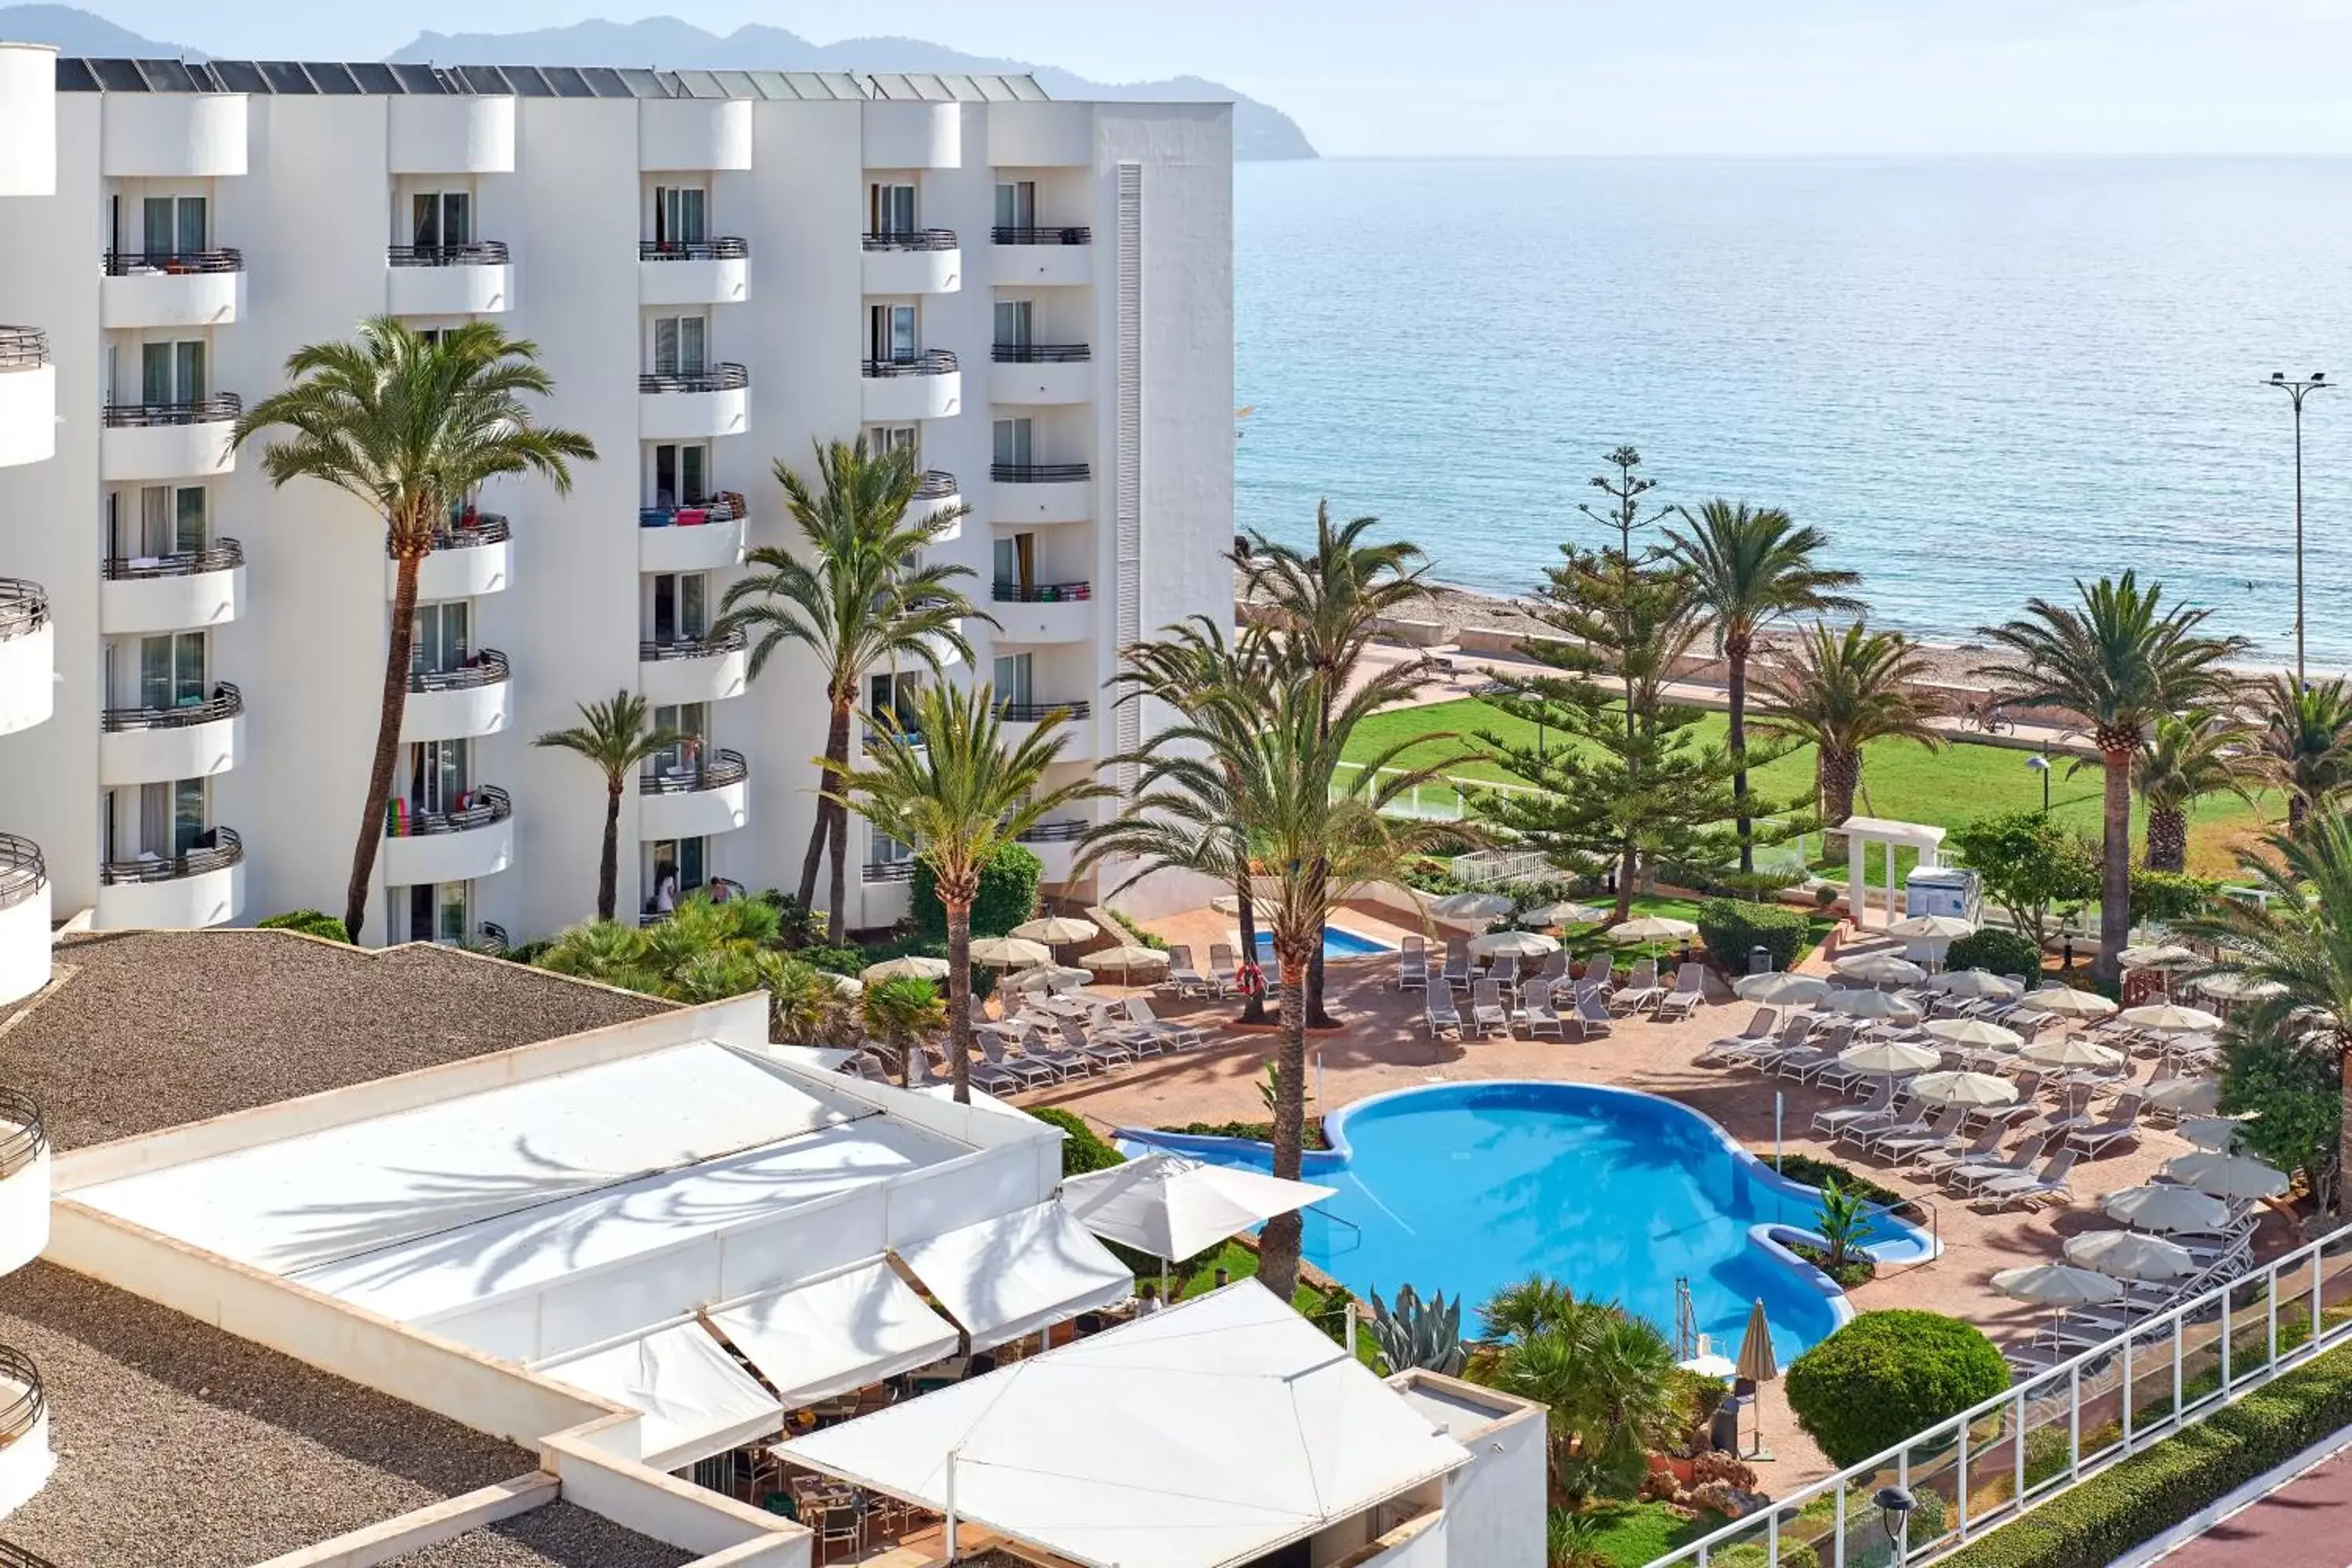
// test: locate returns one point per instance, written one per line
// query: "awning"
(1213, 1433)
(697, 1401)
(858, 1327)
(1017, 1273)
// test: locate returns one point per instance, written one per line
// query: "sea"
(1981, 378)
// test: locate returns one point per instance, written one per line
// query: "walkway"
(2307, 1523)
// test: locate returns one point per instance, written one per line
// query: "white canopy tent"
(1216, 1431)
(695, 1400)
(837, 1333)
(1017, 1273)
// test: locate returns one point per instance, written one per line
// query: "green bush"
(310, 923)
(1083, 1148)
(2140, 1497)
(1886, 1376)
(834, 960)
(1008, 894)
(1754, 1554)
(1996, 949)
(1813, 1172)
(1729, 928)
(2161, 898)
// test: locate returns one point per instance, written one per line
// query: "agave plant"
(1417, 1333)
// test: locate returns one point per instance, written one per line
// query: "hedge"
(1996, 949)
(310, 923)
(1887, 1375)
(2154, 1489)
(1809, 1171)
(1083, 1148)
(1008, 894)
(1731, 927)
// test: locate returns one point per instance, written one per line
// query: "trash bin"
(1723, 1432)
(1759, 961)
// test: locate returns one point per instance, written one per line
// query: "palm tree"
(862, 600)
(899, 1012)
(1607, 1377)
(616, 736)
(1749, 567)
(1247, 786)
(706, 952)
(410, 425)
(1841, 690)
(2188, 757)
(2298, 941)
(1327, 602)
(2306, 741)
(955, 798)
(2119, 660)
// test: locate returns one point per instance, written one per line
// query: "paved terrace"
(144, 1030)
(556, 1535)
(1382, 1047)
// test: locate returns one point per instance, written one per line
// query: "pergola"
(1861, 830)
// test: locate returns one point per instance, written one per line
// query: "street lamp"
(2297, 391)
(2041, 764)
(1895, 1506)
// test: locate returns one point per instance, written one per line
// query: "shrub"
(1008, 894)
(2115, 1510)
(2161, 898)
(833, 960)
(1754, 1554)
(1250, 1131)
(310, 923)
(1813, 1172)
(1886, 1376)
(1996, 949)
(1729, 928)
(1083, 1148)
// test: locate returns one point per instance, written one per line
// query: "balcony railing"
(1040, 473)
(220, 556)
(716, 771)
(709, 645)
(1041, 354)
(22, 1144)
(725, 249)
(133, 263)
(930, 362)
(22, 348)
(220, 406)
(1053, 833)
(912, 239)
(486, 666)
(1036, 712)
(484, 528)
(724, 508)
(216, 849)
(24, 608)
(483, 805)
(727, 376)
(15, 1556)
(1019, 235)
(1040, 593)
(888, 871)
(937, 484)
(22, 869)
(226, 702)
(473, 253)
(23, 1413)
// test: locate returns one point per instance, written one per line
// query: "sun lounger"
(1177, 1035)
(1536, 1011)
(1881, 1103)
(1028, 1072)
(1033, 1044)
(1690, 990)
(1971, 1175)
(1439, 1013)
(1906, 1122)
(1103, 1052)
(1933, 1162)
(1225, 968)
(1591, 1016)
(2050, 1183)
(1641, 989)
(1102, 1024)
(1758, 1032)
(1186, 979)
(1894, 1146)
(2122, 1126)
(1488, 1014)
(1412, 966)
(1458, 964)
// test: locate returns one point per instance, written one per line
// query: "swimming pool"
(1472, 1187)
(1337, 943)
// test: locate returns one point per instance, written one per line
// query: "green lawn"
(1944, 788)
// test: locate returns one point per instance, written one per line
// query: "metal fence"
(2000, 1460)
(1438, 800)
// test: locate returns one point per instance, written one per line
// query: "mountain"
(1260, 131)
(77, 32)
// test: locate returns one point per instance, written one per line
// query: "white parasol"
(1873, 1004)
(2057, 1284)
(1975, 1032)
(1970, 1088)
(1651, 928)
(1932, 927)
(2068, 1002)
(2186, 1096)
(1123, 960)
(911, 967)
(2215, 1135)
(1513, 944)
(1976, 983)
(1780, 988)
(2130, 1255)
(1879, 969)
(1008, 952)
(2167, 956)
(1885, 1056)
(2227, 1175)
(2238, 987)
(2068, 1051)
(2165, 1207)
(1568, 914)
(1047, 976)
(1471, 907)
(1058, 930)
(2170, 1018)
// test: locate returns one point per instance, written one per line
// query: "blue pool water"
(1337, 943)
(1470, 1187)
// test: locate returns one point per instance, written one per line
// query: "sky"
(1546, 78)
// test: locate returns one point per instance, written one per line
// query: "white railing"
(1441, 799)
(1484, 867)
(2000, 1460)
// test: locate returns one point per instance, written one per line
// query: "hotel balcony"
(901, 135)
(23, 1177)
(476, 839)
(1041, 373)
(690, 800)
(473, 279)
(695, 405)
(1024, 257)
(1055, 844)
(705, 538)
(205, 887)
(25, 1459)
(172, 135)
(693, 272)
(468, 559)
(938, 493)
(185, 592)
(28, 397)
(701, 134)
(1075, 732)
(155, 745)
(172, 289)
(1043, 612)
(27, 655)
(452, 134)
(23, 937)
(168, 440)
(913, 262)
(920, 386)
(1040, 492)
(708, 669)
(448, 704)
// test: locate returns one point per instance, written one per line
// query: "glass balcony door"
(441, 641)
(175, 223)
(172, 372)
(156, 520)
(1016, 203)
(681, 474)
(680, 215)
(1013, 679)
(675, 868)
(172, 817)
(441, 217)
(691, 722)
(891, 334)
(438, 775)
(1016, 561)
(890, 208)
(171, 670)
(681, 606)
(434, 911)
(681, 345)
(1014, 443)
(1013, 321)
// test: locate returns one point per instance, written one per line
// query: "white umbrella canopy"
(1046, 976)
(1975, 983)
(1879, 969)
(1932, 927)
(2057, 1284)
(2068, 1002)
(1172, 1207)
(1123, 960)
(1008, 952)
(1975, 1032)
(2130, 1255)
(1513, 944)
(1471, 907)
(1714, 1363)
(2166, 956)
(2227, 1175)
(1873, 1004)
(1780, 988)
(2214, 1134)
(1886, 1056)
(913, 966)
(848, 985)
(1651, 928)
(1058, 930)
(2066, 1051)
(1568, 914)
(2237, 987)
(2170, 1018)
(2188, 1096)
(1974, 1089)
(2162, 1208)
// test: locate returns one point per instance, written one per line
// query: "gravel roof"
(555, 1535)
(182, 1446)
(152, 1029)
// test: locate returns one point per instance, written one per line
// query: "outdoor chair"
(1412, 966)
(1066, 1063)
(1897, 1147)
(1177, 1035)
(1967, 1178)
(1934, 1162)
(1102, 1024)
(1880, 1103)
(1555, 968)
(1458, 964)
(994, 1077)
(1690, 990)
(1488, 1014)
(1758, 1032)
(1438, 1011)
(1187, 980)
(2032, 1190)
(918, 1067)
(1031, 1073)
(1591, 1014)
(2122, 1126)
(1103, 1052)
(1534, 1006)
(1225, 968)
(1909, 1116)
(1641, 989)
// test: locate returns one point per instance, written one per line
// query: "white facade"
(719, 270)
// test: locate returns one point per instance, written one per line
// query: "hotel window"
(680, 345)
(679, 607)
(1016, 203)
(1013, 319)
(689, 721)
(440, 643)
(1014, 443)
(173, 818)
(882, 438)
(887, 851)
(890, 334)
(683, 863)
(1016, 561)
(441, 217)
(890, 207)
(680, 215)
(893, 700)
(1013, 679)
(172, 372)
(154, 519)
(681, 474)
(438, 775)
(172, 224)
(433, 912)
(170, 672)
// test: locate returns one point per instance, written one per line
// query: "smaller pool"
(1337, 943)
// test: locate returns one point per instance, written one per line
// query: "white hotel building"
(720, 268)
